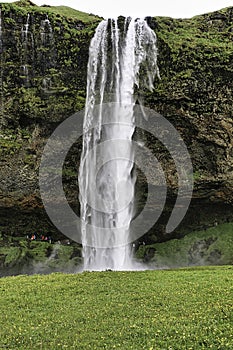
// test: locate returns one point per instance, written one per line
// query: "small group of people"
(41, 237)
(45, 238)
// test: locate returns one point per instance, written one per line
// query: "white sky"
(141, 8)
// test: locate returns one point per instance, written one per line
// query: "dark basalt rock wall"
(43, 80)
(195, 94)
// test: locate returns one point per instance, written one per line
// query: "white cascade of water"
(46, 36)
(46, 84)
(25, 74)
(24, 31)
(25, 51)
(1, 73)
(46, 31)
(106, 176)
(0, 31)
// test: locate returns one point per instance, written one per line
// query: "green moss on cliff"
(213, 246)
(18, 255)
(43, 75)
(9, 145)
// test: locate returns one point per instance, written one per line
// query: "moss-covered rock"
(19, 255)
(210, 247)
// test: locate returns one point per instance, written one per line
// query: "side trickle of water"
(27, 54)
(47, 54)
(46, 31)
(25, 74)
(24, 30)
(0, 31)
(25, 51)
(1, 73)
(115, 60)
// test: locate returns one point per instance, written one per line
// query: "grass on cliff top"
(172, 309)
(64, 11)
(71, 13)
(199, 31)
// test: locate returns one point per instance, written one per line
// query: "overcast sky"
(141, 8)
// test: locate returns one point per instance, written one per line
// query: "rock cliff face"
(44, 53)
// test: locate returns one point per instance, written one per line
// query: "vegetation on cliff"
(210, 247)
(20, 255)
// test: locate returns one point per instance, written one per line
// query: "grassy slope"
(195, 31)
(173, 309)
(71, 13)
(64, 11)
(211, 247)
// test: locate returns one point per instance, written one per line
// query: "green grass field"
(163, 309)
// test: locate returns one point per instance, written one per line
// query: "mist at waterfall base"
(122, 58)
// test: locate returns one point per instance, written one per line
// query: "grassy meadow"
(163, 309)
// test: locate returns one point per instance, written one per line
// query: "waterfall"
(24, 37)
(46, 84)
(0, 31)
(47, 54)
(24, 73)
(1, 73)
(24, 30)
(46, 31)
(119, 61)
(27, 51)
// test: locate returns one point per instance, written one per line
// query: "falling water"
(1, 73)
(24, 30)
(0, 31)
(47, 54)
(24, 73)
(27, 50)
(106, 175)
(46, 31)
(46, 84)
